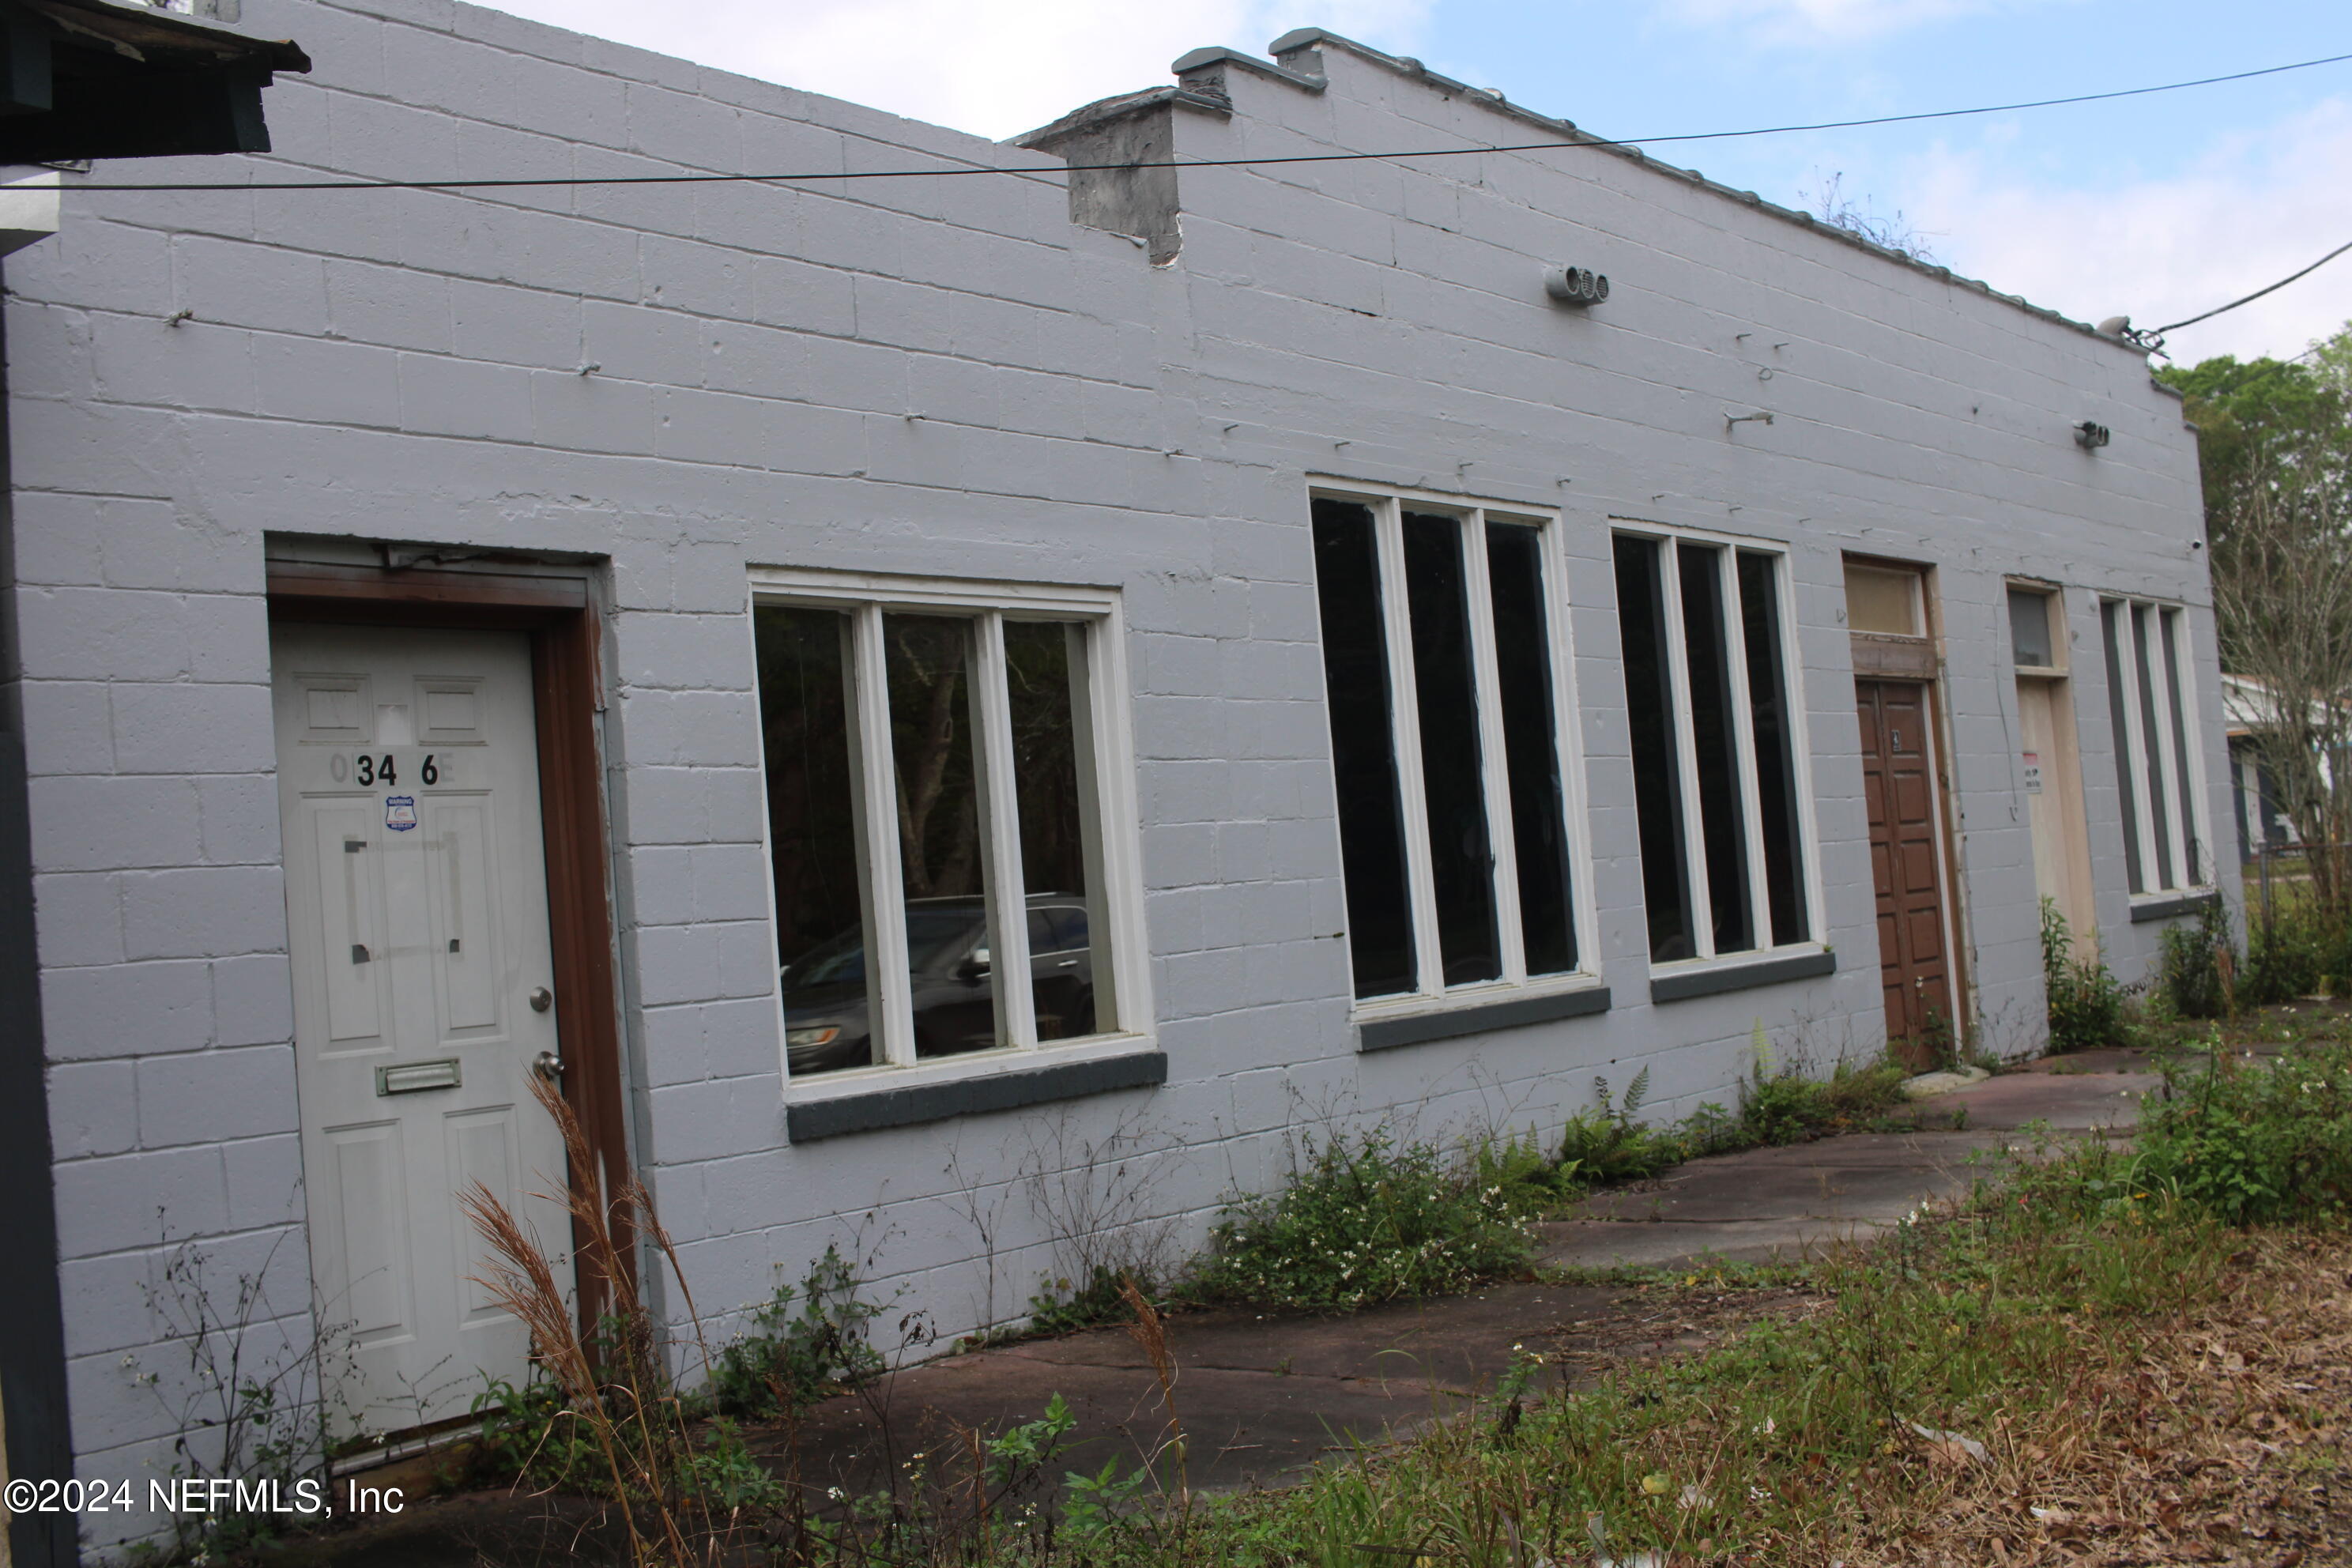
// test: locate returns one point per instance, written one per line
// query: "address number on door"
(386, 768)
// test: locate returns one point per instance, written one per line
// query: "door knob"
(549, 1066)
(542, 999)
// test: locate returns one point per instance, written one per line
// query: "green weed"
(2254, 1141)
(1365, 1220)
(2086, 1003)
(804, 1344)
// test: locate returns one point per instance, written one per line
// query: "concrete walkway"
(1260, 1396)
(1768, 1203)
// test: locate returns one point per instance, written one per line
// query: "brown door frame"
(554, 609)
(1877, 656)
(1954, 994)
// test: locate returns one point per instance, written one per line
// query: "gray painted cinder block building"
(1352, 669)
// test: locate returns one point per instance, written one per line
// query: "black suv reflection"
(826, 1024)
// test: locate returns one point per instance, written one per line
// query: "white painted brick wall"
(945, 377)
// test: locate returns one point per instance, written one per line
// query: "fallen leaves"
(2217, 1438)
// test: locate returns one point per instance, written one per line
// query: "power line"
(1581, 140)
(2258, 293)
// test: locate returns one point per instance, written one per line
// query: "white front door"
(416, 892)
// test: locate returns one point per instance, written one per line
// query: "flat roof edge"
(1300, 39)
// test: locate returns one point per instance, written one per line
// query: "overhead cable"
(1580, 139)
(2258, 293)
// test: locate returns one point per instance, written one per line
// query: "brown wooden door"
(1898, 781)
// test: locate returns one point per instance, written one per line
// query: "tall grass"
(621, 1411)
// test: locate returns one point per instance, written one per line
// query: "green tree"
(2267, 420)
(2275, 440)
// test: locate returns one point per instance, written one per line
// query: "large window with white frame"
(950, 831)
(1445, 664)
(1717, 749)
(2151, 703)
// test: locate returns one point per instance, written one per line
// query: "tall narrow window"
(1650, 708)
(813, 833)
(1441, 667)
(1061, 856)
(1363, 748)
(1776, 748)
(943, 844)
(1531, 745)
(940, 860)
(1715, 744)
(1453, 773)
(2159, 783)
(1711, 721)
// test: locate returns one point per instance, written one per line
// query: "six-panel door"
(1899, 784)
(408, 787)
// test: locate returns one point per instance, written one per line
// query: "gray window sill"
(909, 1105)
(1682, 984)
(1478, 1018)
(2145, 911)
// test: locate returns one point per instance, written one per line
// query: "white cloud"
(2253, 207)
(995, 68)
(1815, 21)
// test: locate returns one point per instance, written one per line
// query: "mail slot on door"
(416, 1078)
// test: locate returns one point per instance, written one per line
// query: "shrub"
(2254, 1142)
(2086, 1005)
(2198, 962)
(2298, 946)
(794, 1358)
(1365, 1220)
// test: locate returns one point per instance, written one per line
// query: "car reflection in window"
(950, 978)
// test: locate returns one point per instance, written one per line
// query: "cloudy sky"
(2160, 206)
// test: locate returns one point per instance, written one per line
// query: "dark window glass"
(812, 836)
(1523, 667)
(1775, 760)
(2171, 622)
(2151, 730)
(2029, 627)
(1044, 661)
(1650, 709)
(1363, 748)
(2111, 617)
(1462, 861)
(938, 826)
(1714, 746)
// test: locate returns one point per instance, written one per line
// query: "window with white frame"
(949, 839)
(2150, 703)
(1445, 664)
(1716, 747)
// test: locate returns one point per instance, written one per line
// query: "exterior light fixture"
(2091, 436)
(1575, 285)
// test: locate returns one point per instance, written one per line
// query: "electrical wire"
(1581, 140)
(2258, 293)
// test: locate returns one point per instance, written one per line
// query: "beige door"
(2054, 795)
(416, 896)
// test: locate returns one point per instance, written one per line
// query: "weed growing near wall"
(804, 1344)
(2086, 1005)
(1365, 1219)
(2200, 964)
